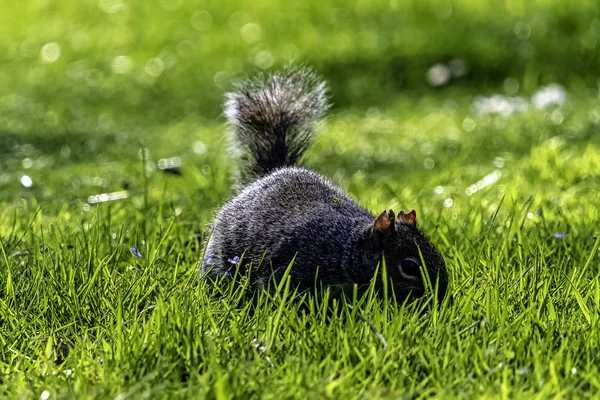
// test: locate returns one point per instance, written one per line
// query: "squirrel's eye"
(411, 267)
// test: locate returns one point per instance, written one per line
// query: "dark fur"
(292, 212)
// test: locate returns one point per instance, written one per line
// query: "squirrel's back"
(290, 213)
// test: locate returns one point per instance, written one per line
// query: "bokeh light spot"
(438, 75)
(522, 30)
(199, 147)
(111, 6)
(154, 67)
(26, 181)
(251, 32)
(201, 20)
(186, 48)
(50, 52)
(27, 163)
(121, 65)
(263, 59)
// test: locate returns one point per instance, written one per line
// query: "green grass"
(81, 316)
(526, 304)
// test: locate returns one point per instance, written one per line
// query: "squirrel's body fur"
(307, 218)
(286, 213)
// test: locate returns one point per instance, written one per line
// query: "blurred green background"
(86, 84)
(169, 58)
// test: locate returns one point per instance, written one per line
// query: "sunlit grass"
(81, 315)
(95, 94)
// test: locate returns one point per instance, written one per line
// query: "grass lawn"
(99, 154)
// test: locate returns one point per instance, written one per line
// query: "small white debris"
(498, 104)
(487, 180)
(104, 197)
(169, 163)
(496, 368)
(550, 95)
(26, 181)
(45, 395)
(259, 346)
(522, 371)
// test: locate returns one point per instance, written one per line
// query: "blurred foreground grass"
(120, 100)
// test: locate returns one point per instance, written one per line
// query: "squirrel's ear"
(384, 222)
(410, 218)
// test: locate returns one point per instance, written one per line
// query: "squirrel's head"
(407, 251)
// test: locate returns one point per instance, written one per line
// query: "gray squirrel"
(285, 213)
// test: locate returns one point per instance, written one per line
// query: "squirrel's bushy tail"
(273, 117)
